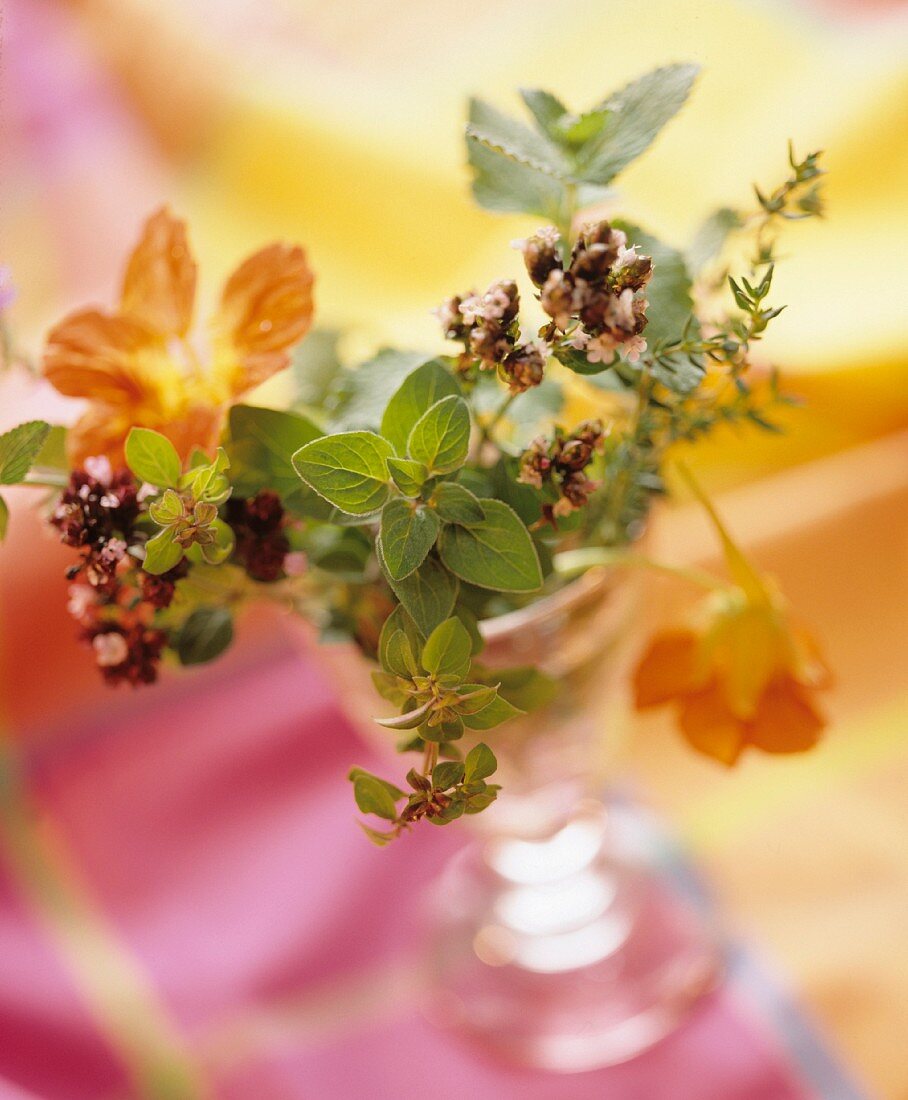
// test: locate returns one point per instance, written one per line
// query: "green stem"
(488, 427)
(572, 563)
(47, 480)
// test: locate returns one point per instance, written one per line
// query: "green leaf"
(440, 438)
(525, 687)
(373, 798)
(153, 458)
(480, 801)
(409, 720)
(546, 109)
(19, 447)
(710, 238)
(418, 393)
(409, 476)
(428, 594)
(223, 546)
(350, 470)
(168, 509)
(399, 655)
(447, 774)
(456, 504)
(161, 553)
(261, 446)
(378, 838)
(497, 553)
(480, 763)
(636, 115)
(447, 731)
(448, 649)
(315, 367)
(52, 455)
(398, 620)
(580, 129)
(395, 792)
(503, 184)
(474, 697)
(408, 533)
(4, 518)
(498, 711)
(363, 393)
(449, 814)
(204, 635)
(511, 140)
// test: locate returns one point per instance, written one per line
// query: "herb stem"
(572, 563)
(497, 416)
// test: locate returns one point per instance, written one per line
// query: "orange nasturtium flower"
(744, 673)
(137, 367)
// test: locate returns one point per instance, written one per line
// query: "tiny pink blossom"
(633, 348)
(295, 563)
(110, 649)
(99, 468)
(81, 601)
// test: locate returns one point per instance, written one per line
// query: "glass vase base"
(569, 953)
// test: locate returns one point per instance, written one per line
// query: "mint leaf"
(363, 392)
(507, 185)
(546, 109)
(372, 797)
(512, 140)
(497, 553)
(153, 458)
(456, 504)
(19, 448)
(315, 367)
(710, 238)
(448, 649)
(498, 711)
(428, 594)
(408, 533)
(4, 518)
(636, 115)
(52, 455)
(418, 392)
(440, 438)
(480, 763)
(350, 470)
(205, 635)
(161, 553)
(261, 446)
(409, 476)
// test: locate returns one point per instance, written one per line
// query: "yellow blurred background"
(339, 125)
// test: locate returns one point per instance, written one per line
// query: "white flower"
(110, 649)
(626, 256)
(471, 309)
(295, 563)
(99, 468)
(494, 303)
(633, 348)
(447, 314)
(81, 600)
(621, 309)
(601, 349)
(579, 339)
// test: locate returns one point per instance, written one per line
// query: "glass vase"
(558, 941)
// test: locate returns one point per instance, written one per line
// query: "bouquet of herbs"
(401, 502)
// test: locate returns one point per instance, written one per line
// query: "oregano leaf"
(153, 458)
(408, 533)
(440, 438)
(497, 553)
(19, 447)
(418, 392)
(349, 469)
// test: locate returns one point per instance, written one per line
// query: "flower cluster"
(597, 301)
(487, 326)
(261, 544)
(113, 599)
(561, 464)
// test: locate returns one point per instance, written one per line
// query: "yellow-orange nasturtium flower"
(744, 673)
(137, 367)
